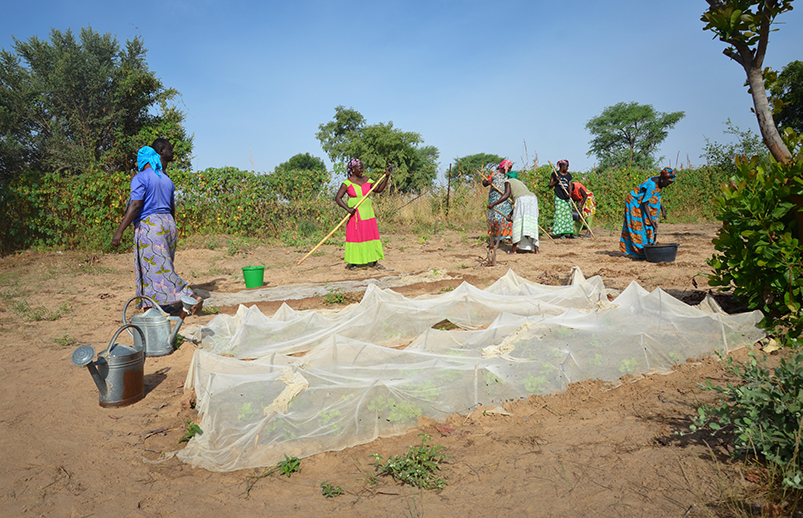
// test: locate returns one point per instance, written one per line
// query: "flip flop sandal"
(351, 267)
(379, 267)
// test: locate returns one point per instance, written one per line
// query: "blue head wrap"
(147, 156)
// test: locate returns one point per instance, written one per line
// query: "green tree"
(722, 156)
(71, 104)
(788, 88)
(463, 170)
(745, 25)
(302, 162)
(337, 135)
(758, 251)
(628, 134)
(347, 136)
(302, 176)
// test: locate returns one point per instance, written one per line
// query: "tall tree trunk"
(772, 138)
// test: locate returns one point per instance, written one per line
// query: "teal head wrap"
(148, 156)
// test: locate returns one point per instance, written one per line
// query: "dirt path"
(591, 451)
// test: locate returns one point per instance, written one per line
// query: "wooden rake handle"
(579, 212)
(343, 220)
(500, 192)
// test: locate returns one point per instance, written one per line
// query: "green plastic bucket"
(254, 276)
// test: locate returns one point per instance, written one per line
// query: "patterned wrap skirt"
(637, 230)
(498, 225)
(155, 239)
(564, 223)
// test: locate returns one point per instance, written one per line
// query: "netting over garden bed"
(373, 368)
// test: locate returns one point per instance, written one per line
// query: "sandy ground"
(591, 451)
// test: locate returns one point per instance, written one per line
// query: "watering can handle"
(113, 342)
(142, 297)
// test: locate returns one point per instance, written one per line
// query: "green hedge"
(689, 199)
(47, 210)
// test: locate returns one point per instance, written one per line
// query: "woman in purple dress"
(152, 210)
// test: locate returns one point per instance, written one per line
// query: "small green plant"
(534, 384)
(210, 310)
(39, 313)
(330, 491)
(65, 341)
(628, 366)
(289, 465)
(334, 296)
(418, 467)
(447, 289)
(178, 341)
(404, 411)
(489, 378)
(191, 430)
(763, 412)
(246, 411)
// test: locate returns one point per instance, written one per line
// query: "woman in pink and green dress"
(363, 246)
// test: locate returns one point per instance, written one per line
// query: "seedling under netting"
(372, 369)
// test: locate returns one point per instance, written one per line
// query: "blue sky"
(257, 78)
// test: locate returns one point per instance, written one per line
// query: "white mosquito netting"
(373, 368)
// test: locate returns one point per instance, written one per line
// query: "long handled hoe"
(346, 218)
(500, 192)
(579, 212)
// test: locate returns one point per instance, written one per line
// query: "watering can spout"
(99, 381)
(187, 304)
(174, 333)
(82, 357)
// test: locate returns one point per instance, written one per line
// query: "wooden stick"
(374, 186)
(579, 212)
(500, 192)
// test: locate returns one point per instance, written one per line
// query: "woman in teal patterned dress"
(498, 225)
(642, 206)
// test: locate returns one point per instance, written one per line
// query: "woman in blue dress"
(642, 206)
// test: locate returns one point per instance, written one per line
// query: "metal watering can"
(119, 372)
(155, 324)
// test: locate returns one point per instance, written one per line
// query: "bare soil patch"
(591, 451)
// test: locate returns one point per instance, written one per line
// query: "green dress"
(363, 245)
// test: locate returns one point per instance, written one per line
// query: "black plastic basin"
(661, 253)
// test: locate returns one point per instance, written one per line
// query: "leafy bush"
(418, 467)
(83, 211)
(764, 412)
(721, 156)
(689, 199)
(759, 254)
